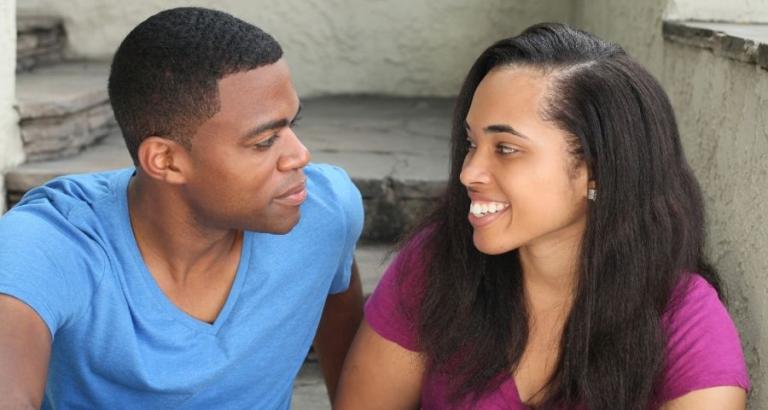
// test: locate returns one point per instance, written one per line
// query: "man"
(190, 281)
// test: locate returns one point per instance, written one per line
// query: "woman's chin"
(489, 246)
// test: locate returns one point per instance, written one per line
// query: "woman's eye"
(470, 145)
(506, 150)
(267, 143)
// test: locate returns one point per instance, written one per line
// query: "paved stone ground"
(309, 389)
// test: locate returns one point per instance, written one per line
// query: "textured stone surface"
(635, 25)
(395, 150)
(736, 41)
(394, 47)
(40, 40)
(740, 11)
(57, 137)
(721, 107)
(62, 89)
(309, 389)
(11, 152)
(64, 108)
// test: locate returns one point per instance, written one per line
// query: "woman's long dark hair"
(645, 230)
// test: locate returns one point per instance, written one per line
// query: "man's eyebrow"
(271, 125)
(495, 128)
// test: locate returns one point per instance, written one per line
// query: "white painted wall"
(11, 153)
(30, 5)
(736, 11)
(394, 47)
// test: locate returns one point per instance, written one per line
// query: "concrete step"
(40, 40)
(372, 259)
(309, 388)
(63, 108)
(395, 149)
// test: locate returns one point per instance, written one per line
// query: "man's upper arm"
(25, 349)
(714, 398)
(341, 317)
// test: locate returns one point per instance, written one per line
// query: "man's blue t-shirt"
(68, 251)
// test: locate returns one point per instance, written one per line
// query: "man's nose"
(296, 156)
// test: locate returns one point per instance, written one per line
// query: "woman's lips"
(480, 221)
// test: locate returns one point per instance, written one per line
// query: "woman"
(564, 267)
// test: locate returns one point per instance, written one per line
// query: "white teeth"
(480, 209)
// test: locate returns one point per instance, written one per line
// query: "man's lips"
(294, 196)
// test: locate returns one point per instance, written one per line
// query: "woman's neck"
(550, 268)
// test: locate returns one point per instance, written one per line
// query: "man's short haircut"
(164, 76)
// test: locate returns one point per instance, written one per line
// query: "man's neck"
(172, 242)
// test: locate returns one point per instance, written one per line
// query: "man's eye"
(267, 142)
(295, 121)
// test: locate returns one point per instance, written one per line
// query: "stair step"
(40, 41)
(395, 150)
(372, 259)
(63, 108)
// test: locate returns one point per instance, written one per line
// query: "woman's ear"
(592, 190)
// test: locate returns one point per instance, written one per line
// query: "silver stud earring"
(592, 194)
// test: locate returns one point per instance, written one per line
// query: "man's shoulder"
(332, 196)
(331, 183)
(52, 246)
(69, 190)
(327, 175)
(64, 207)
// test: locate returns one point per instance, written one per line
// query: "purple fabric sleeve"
(703, 345)
(392, 307)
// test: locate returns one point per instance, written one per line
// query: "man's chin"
(280, 226)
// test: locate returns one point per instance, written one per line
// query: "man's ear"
(164, 159)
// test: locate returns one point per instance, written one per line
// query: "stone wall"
(41, 40)
(392, 47)
(721, 109)
(635, 25)
(63, 109)
(742, 11)
(10, 143)
(721, 105)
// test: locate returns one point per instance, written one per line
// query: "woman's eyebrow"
(496, 128)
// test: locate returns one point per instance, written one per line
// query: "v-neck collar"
(153, 289)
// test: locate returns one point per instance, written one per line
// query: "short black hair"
(164, 76)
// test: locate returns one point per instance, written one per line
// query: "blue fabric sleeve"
(351, 203)
(45, 263)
